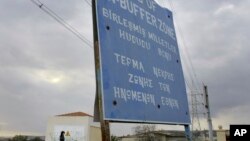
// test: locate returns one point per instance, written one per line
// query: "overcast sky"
(45, 70)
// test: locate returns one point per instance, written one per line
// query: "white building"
(77, 126)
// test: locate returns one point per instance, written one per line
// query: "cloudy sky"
(45, 70)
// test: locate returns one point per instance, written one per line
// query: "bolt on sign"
(141, 76)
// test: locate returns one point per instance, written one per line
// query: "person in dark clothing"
(62, 136)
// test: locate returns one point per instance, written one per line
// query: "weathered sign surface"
(140, 66)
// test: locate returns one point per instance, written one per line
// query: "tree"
(141, 129)
(19, 138)
(145, 132)
(36, 139)
(114, 138)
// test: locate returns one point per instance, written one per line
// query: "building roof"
(81, 114)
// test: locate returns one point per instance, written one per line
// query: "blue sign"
(141, 72)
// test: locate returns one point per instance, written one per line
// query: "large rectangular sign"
(140, 66)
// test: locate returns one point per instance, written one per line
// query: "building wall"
(95, 134)
(221, 135)
(79, 126)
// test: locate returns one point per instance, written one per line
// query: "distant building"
(77, 126)
(161, 135)
(165, 135)
(222, 134)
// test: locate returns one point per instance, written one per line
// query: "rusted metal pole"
(105, 130)
(188, 133)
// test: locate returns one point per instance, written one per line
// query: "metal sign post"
(188, 133)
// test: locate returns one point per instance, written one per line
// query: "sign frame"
(103, 77)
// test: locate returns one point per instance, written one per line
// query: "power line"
(189, 80)
(188, 75)
(197, 96)
(192, 73)
(62, 22)
(88, 2)
(89, 43)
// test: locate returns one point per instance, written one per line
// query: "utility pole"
(197, 98)
(209, 120)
